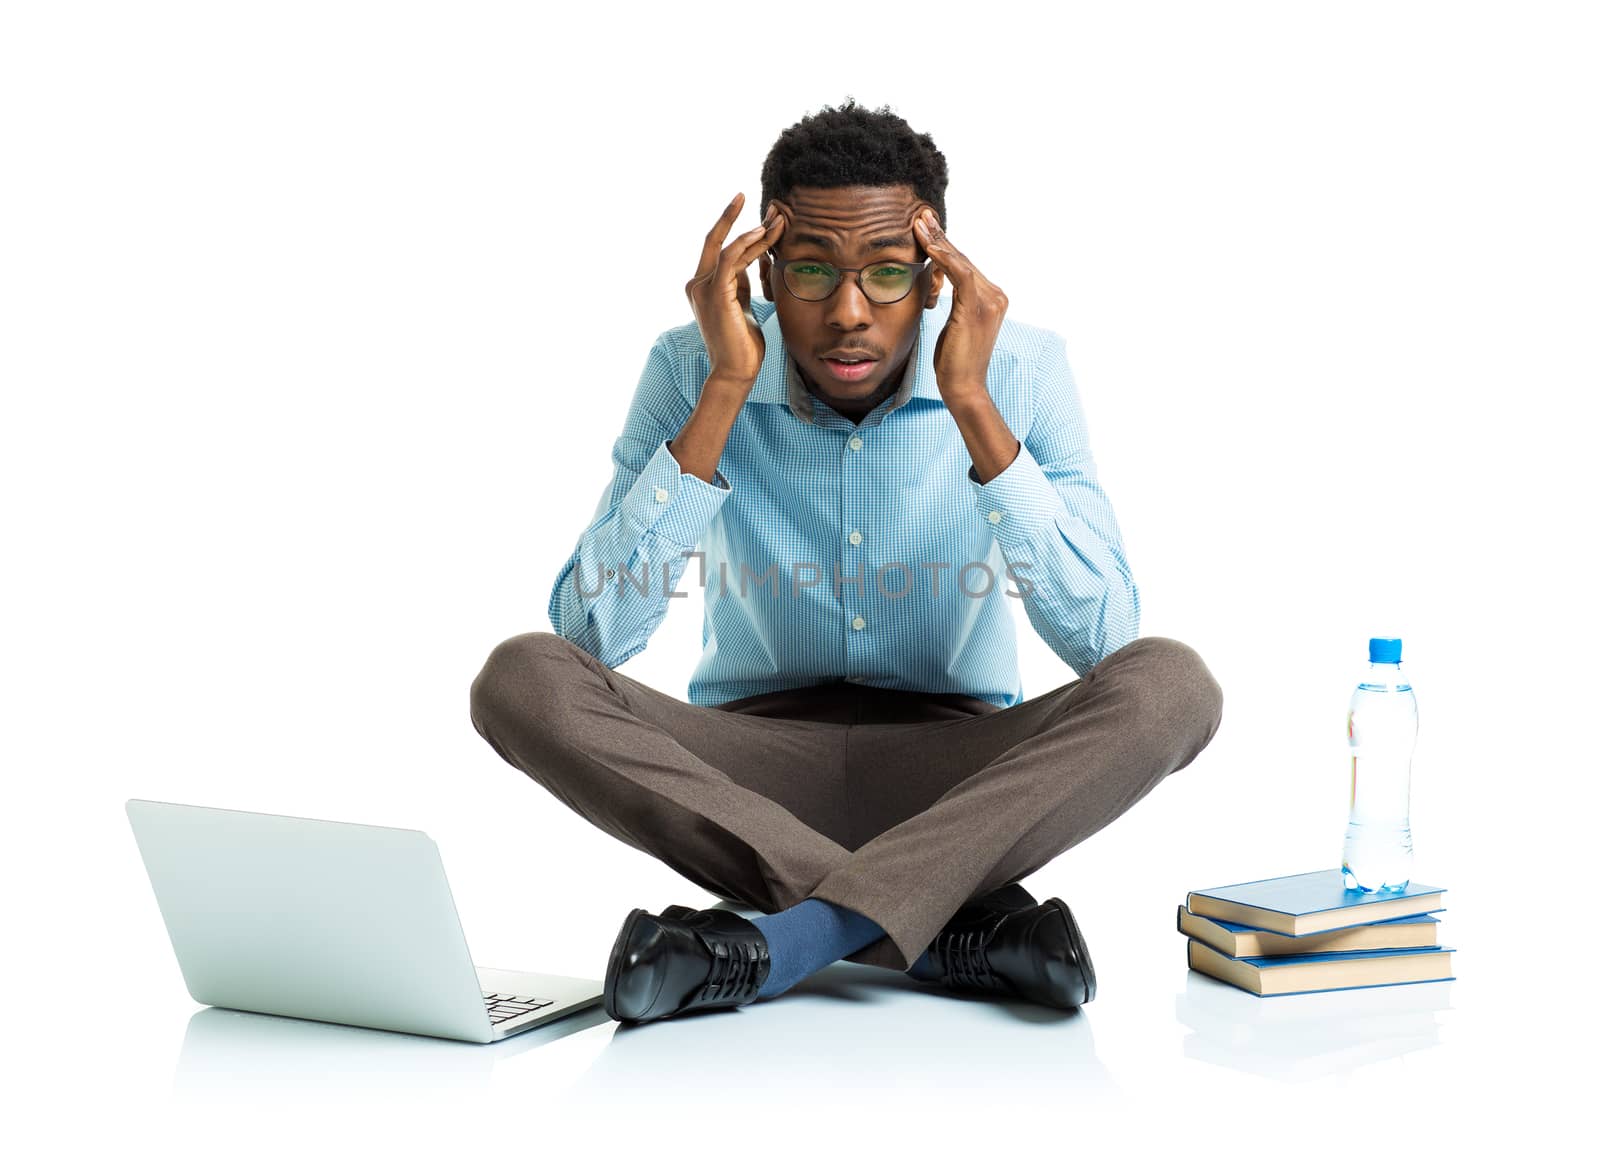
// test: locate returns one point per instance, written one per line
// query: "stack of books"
(1303, 933)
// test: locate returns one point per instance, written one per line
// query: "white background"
(317, 322)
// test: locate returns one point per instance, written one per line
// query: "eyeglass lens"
(883, 283)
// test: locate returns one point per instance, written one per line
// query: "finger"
(739, 254)
(718, 233)
(936, 242)
(941, 251)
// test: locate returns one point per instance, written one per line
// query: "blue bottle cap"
(1385, 649)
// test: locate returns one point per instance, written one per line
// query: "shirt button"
(855, 537)
(994, 516)
(858, 623)
(662, 496)
(855, 443)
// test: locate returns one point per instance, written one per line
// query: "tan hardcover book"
(1329, 971)
(1239, 941)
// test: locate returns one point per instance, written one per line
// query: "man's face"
(851, 228)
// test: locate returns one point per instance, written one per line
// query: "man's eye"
(891, 272)
(812, 269)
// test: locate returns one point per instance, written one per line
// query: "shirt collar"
(779, 380)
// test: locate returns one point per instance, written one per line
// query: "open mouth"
(849, 368)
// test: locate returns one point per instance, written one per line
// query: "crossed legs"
(901, 822)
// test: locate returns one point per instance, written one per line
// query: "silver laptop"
(340, 922)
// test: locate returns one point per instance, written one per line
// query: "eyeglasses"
(885, 282)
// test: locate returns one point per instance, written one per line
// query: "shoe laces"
(737, 969)
(964, 958)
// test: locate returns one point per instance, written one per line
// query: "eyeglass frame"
(779, 263)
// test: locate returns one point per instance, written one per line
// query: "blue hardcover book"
(1267, 975)
(1240, 940)
(1310, 902)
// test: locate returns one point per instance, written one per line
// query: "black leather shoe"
(670, 964)
(1035, 953)
(980, 908)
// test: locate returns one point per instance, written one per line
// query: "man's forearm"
(989, 441)
(698, 445)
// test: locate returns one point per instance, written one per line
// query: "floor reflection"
(851, 1032)
(239, 1056)
(1298, 1038)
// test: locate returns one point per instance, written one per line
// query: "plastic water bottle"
(1383, 733)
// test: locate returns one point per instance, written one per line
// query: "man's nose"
(849, 307)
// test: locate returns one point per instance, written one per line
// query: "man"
(860, 467)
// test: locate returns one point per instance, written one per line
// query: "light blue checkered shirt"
(865, 553)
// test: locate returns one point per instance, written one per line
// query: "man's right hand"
(719, 293)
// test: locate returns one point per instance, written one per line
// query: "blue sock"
(807, 937)
(922, 968)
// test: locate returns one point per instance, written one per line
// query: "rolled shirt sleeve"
(613, 591)
(1056, 528)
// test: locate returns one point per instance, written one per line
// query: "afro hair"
(851, 145)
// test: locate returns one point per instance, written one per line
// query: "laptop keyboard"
(502, 1008)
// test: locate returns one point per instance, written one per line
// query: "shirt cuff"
(672, 503)
(1018, 503)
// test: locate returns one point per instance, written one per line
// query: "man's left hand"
(961, 357)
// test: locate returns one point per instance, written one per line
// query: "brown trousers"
(898, 805)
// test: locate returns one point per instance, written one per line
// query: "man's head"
(850, 181)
